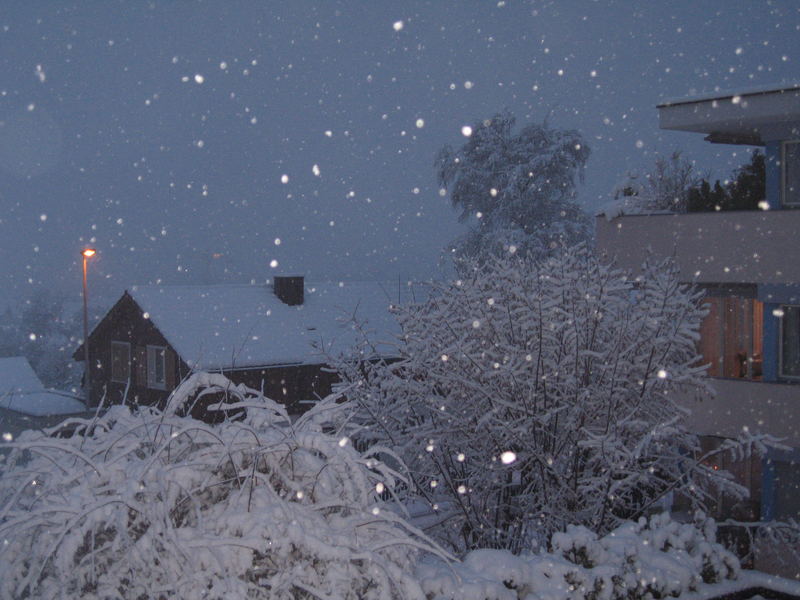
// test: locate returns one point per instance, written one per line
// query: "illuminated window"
(120, 362)
(790, 341)
(731, 336)
(156, 367)
(791, 173)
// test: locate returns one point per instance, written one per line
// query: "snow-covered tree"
(41, 330)
(533, 394)
(153, 505)
(667, 187)
(515, 189)
(675, 185)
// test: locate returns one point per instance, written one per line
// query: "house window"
(731, 336)
(156, 367)
(790, 341)
(791, 173)
(120, 362)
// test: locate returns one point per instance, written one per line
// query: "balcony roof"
(752, 117)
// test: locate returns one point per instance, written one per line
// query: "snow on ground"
(655, 558)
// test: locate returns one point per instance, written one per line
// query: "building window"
(120, 362)
(156, 367)
(791, 173)
(731, 337)
(790, 341)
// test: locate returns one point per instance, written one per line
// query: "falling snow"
(233, 144)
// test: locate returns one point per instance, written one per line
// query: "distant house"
(748, 264)
(26, 404)
(273, 338)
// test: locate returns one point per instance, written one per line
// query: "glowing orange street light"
(87, 254)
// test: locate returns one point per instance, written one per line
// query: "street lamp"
(87, 254)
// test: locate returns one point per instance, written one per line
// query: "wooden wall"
(296, 386)
(125, 323)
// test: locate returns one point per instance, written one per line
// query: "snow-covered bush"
(667, 187)
(153, 505)
(534, 394)
(655, 558)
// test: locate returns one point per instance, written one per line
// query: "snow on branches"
(153, 505)
(517, 189)
(535, 394)
(650, 558)
(668, 187)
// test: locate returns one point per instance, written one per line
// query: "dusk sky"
(185, 138)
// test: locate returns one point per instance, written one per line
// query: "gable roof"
(22, 391)
(233, 326)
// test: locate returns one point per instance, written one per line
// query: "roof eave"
(750, 119)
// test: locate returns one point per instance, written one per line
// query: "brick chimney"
(289, 289)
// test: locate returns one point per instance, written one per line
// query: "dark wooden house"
(273, 338)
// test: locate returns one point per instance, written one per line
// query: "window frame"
(781, 374)
(153, 355)
(785, 175)
(116, 377)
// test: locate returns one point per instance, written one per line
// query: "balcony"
(721, 247)
(759, 406)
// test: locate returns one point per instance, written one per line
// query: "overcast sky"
(162, 132)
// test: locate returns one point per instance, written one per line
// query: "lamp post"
(87, 254)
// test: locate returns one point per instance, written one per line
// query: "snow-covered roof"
(723, 94)
(22, 391)
(231, 326)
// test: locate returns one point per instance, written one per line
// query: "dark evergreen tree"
(704, 198)
(744, 191)
(749, 186)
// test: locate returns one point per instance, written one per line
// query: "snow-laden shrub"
(667, 187)
(153, 505)
(529, 395)
(647, 559)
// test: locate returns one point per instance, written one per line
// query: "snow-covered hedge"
(153, 505)
(651, 559)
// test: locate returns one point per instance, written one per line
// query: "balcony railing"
(758, 406)
(720, 247)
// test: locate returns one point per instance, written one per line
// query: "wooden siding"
(296, 386)
(125, 322)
